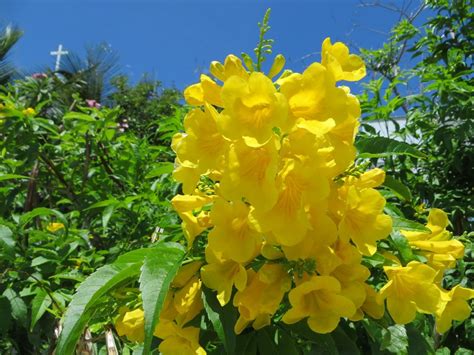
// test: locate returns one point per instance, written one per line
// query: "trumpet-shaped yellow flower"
(54, 226)
(362, 220)
(410, 289)
(232, 67)
(250, 173)
(205, 91)
(352, 279)
(131, 324)
(202, 144)
(232, 236)
(372, 304)
(321, 301)
(260, 299)
(222, 276)
(29, 111)
(252, 109)
(288, 220)
(342, 65)
(188, 301)
(437, 246)
(178, 340)
(455, 307)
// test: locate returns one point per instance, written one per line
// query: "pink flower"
(39, 76)
(93, 104)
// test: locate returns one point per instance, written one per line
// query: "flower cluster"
(272, 196)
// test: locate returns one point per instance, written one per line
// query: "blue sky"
(175, 40)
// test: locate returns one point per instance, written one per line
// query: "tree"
(9, 36)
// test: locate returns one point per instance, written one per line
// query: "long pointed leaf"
(159, 269)
(98, 284)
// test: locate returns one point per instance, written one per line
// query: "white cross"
(58, 55)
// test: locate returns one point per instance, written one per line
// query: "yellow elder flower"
(288, 220)
(252, 108)
(372, 305)
(232, 236)
(352, 279)
(222, 276)
(29, 111)
(362, 219)
(342, 65)
(250, 173)
(202, 143)
(260, 299)
(437, 246)
(188, 301)
(205, 91)
(54, 227)
(131, 324)
(321, 301)
(455, 307)
(232, 66)
(410, 289)
(178, 340)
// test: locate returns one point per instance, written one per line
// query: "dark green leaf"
(400, 223)
(398, 188)
(344, 344)
(38, 306)
(379, 147)
(6, 312)
(6, 240)
(222, 318)
(18, 307)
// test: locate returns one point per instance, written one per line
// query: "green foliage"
(9, 36)
(432, 95)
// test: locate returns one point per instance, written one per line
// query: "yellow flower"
(372, 305)
(260, 299)
(131, 324)
(202, 144)
(206, 91)
(222, 276)
(54, 227)
(178, 340)
(29, 112)
(232, 67)
(188, 301)
(250, 173)
(232, 237)
(437, 246)
(288, 220)
(361, 218)
(410, 289)
(321, 301)
(352, 279)
(455, 307)
(251, 109)
(343, 66)
(193, 222)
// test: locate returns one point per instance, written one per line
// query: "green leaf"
(38, 306)
(159, 268)
(222, 319)
(401, 244)
(286, 344)
(106, 214)
(265, 342)
(397, 342)
(398, 188)
(417, 343)
(6, 312)
(89, 293)
(380, 147)
(18, 306)
(12, 177)
(160, 169)
(400, 223)
(322, 343)
(79, 116)
(343, 342)
(40, 212)
(6, 240)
